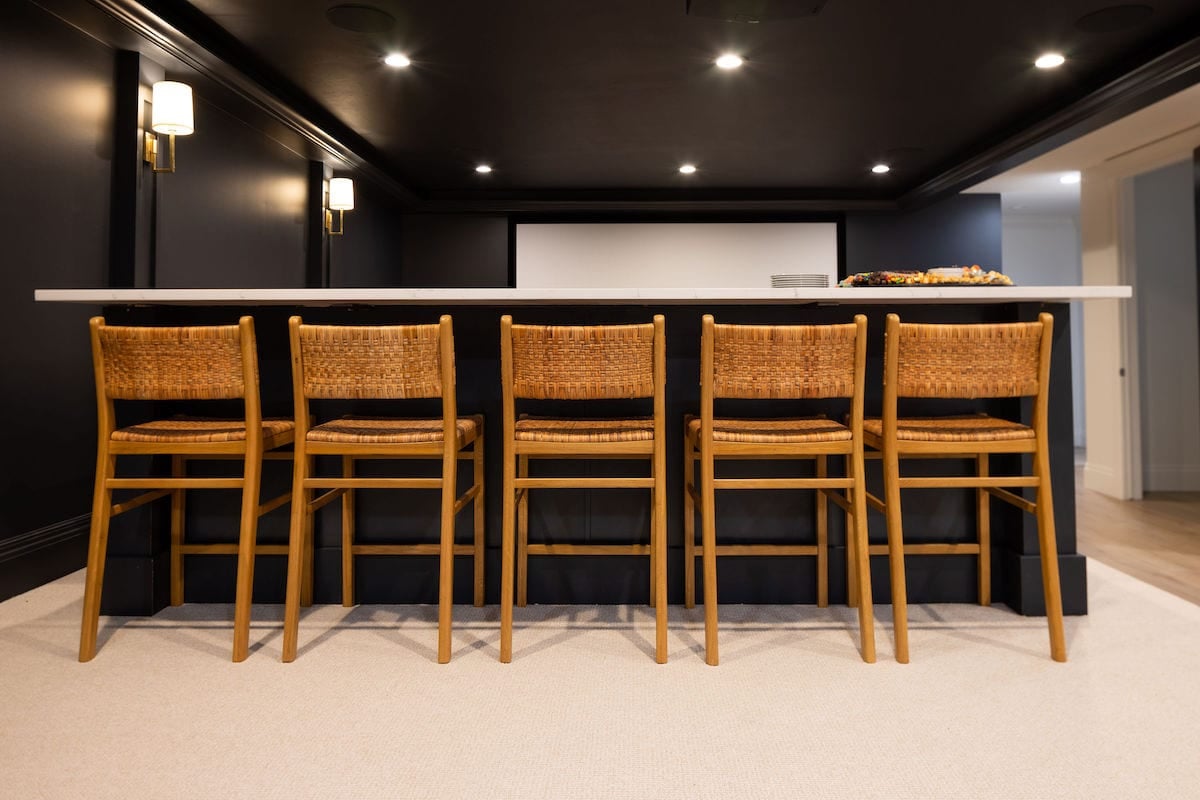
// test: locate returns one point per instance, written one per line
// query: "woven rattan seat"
(967, 428)
(777, 362)
(385, 430)
(192, 430)
(795, 430)
(966, 362)
(585, 363)
(583, 431)
(195, 363)
(380, 363)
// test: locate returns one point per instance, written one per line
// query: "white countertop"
(500, 297)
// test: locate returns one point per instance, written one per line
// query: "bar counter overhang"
(137, 555)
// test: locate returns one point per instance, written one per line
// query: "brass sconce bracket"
(150, 152)
(341, 226)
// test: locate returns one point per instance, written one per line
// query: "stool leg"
(895, 534)
(446, 553)
(653, 554)
(860, 553)
(178, 498)
(851, 563)
(478, 509)
(1048, 546)
(348, 536)
(252, 478)
(506, 558)
(523, 536)
(659, 547)
(822, 536)
(306, 588)
(689, 524)
(291, 614)
(708, 534)
(97, 551)
(984, 526)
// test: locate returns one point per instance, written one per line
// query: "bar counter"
(137, 561)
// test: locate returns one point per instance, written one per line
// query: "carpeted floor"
(584, 712)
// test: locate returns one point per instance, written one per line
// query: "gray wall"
(1044, 250)
(1168, 361)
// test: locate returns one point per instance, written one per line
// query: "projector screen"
(672, 254)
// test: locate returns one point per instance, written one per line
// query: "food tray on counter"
(973, 275)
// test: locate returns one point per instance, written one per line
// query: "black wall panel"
(370, 251)
(233, 214)
(453, 250)
(55, 134)
(964, 229)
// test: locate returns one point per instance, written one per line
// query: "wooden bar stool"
(593, 362)
(216, 362)
(966, 362)
(772, 362)
(381, 362)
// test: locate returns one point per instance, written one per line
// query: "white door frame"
(1114, 452)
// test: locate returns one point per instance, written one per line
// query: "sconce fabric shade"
(341, 194)
(172, 108)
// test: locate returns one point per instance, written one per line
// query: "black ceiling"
(569, 96)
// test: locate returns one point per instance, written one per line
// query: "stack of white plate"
(806, 279)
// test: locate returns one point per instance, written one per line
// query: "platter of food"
(973, 275)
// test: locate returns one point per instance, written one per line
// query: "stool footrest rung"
(589, 549)
(422, 549)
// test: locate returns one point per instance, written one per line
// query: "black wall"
(369, 252)
(963, 230)
(233, 213)
(55, 122)
(447, 250)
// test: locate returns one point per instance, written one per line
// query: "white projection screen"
(671, 254)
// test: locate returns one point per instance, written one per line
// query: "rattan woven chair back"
(584, 362)
(966, 361)
(185, 363)
(784, 361)
(371, 361)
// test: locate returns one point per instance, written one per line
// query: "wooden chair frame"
(847, 492)
(892, 449)
(518, 483)
(251, 450)
(305, 481)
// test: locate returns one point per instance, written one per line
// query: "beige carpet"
(584, 712)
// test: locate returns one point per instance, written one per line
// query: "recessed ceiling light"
(483, 169)
(397, 60)
(881, 169)
(1069, 177)
(729, 61)
(1050, 60)
(687, 169)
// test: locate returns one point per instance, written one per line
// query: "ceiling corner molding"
(653, 201)
(1154, 80)
(227, 63)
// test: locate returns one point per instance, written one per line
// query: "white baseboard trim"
(1102, 479)
(1172, 478)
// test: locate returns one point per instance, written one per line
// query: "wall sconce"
(341, 200)
(171, 113)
